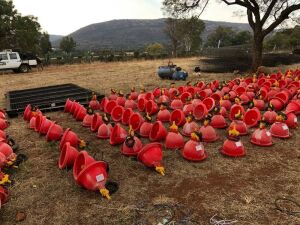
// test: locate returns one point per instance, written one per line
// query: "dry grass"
(242, 189)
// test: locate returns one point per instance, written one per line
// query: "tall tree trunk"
(257, 50)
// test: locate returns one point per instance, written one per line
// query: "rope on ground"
(286, 210)
(216, 220)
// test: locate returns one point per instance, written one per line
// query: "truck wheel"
(24, 68)
(16, 71)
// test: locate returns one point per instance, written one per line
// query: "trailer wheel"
(24, 68)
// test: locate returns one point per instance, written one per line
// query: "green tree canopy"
(45, 44)
(228, 37)
(17, 31)
(155, 49)
(184, 33)
(67, 44)
(285, 39)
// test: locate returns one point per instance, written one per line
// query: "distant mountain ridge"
(131, 34)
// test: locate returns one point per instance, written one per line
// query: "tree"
(173, 32)
(190, 33)
(26, 33)
(284, 39)
(45, 44)
(263, 16)
(17, 31)
(67, 44)
(226, 36)
(184, 32)
(155, 49)
(222, 35)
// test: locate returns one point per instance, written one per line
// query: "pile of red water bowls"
(87, 172)
(7, 157)
(250, 102)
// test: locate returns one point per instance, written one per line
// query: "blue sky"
(65, 16)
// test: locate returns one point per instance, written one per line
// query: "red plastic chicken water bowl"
(103, 103)
(82, 160)
(87, 120)
(233, 148)
(270, 116)
(240, 125)
(163, 115)
(151, 107)
(145, 129)
(151, 154)
(121, 100)
(189, 127)
(126, 116)
(194, 151)
(67, 156)
(251, 117)
(292, 120)
(184, 96)
(188, 108)
(104, 131)
(200, 111)
(3, 161)
(2, 114)
(209, 134)
(117, 113)
(69, 136)
(277, 103)
(46, 124)
(131, 146)
(3, 124)
(130, 104)
(216, 96)
(81, 113)
(261, 137)
(280, 130)
(93, 176)
(68, 105)
(3, 195)
(94, 104)
(110, 105)
(178, 117)
(240, 90)
(142, 104)
(136, 121)
(176, 104)
(118, 135)
(6, 150)
(96, 122)
(209, 103)
(174, 140)
(38, 122)
(235, 109)
(158, 132)
(27, 113)
(293, 107)
(54, 133)
(31, 123)
(218, 121)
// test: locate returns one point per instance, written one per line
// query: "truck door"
(14, 60)
(4, 60)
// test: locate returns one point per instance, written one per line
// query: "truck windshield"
(3, 56)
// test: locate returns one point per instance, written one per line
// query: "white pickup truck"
(16, 62)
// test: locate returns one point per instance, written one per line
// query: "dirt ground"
(242, 189)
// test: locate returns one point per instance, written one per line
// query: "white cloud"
(66, 16)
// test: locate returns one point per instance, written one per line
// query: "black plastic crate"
(50, 98)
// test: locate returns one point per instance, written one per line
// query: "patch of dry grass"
(242, 189)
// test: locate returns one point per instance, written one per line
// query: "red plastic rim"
(209, 103)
